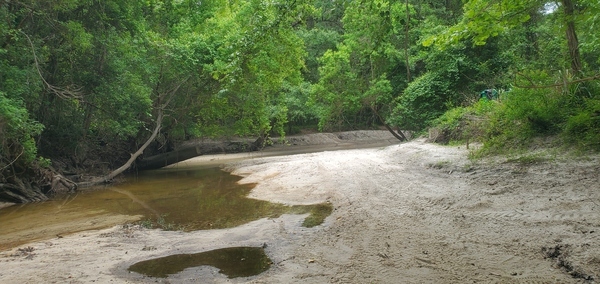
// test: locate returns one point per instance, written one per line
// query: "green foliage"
(257, 57)
(452, 119)
(338, 92)
(300, 113)
(525, 48)
(317, 42)
(482, 20)
(44, 162)
(380, 50)
(466, 123)
(364, 72)
(523, 114)
(94, 74)
(423, 100)
(18, 131)
(583, 128)
(587, 21)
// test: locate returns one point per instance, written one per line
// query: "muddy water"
(177, 199)
(233, 262)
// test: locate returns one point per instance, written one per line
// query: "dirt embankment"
(406, 213)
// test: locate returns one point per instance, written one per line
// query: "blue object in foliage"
(489, 94)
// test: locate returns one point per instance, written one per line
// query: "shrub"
(523, 114)
(583, 128)
(424, 100)
(465, 123)
(17, 133)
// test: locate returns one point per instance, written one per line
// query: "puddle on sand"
(188, 199)
(232, 262)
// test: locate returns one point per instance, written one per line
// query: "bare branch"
(171, 93)
(70, 92)
(8, 165)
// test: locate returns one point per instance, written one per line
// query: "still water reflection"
(184, 199)
(233, 262)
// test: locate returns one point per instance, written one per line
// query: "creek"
(187, 199)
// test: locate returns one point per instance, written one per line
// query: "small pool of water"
(232, 262)
(174, 199)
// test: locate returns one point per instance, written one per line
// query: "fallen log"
(200, 148)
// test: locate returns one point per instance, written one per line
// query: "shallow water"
(174, 199)
(233, 262)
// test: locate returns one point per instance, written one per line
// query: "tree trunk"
(572, 40)
(199, 149)
(406, 43)
(399, 135)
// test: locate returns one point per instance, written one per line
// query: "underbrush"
(523, 116)
(465, 124)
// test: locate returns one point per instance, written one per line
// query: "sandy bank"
(407, 213)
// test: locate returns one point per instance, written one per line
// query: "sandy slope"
(406, 213)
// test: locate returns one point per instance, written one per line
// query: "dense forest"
(89, 86)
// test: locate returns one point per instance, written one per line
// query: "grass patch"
(528, 159)
(317, 213)
(160, 223)
(439, 165)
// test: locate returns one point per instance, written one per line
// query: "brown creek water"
(185, 199)
(233, 262)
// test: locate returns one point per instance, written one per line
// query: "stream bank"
(412, 213)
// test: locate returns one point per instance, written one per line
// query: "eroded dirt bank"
(406, 213)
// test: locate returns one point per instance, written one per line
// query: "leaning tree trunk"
(134, 156)
(399, 135)
(163, 101)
